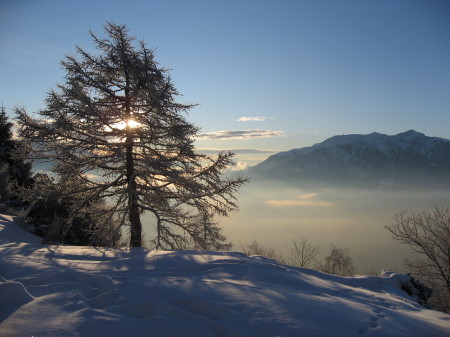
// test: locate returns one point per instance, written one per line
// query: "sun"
(132, 123)
(123, 124)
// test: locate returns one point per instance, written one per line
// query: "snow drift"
(84, 291)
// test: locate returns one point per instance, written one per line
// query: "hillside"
(408, 158)
(81, 291)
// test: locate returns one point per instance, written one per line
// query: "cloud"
(303, 200)
(240, 165)
(241, 134)
(251, 119)
(237, 151)
(307, 196)
(300, 203)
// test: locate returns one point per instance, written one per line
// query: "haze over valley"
(279, 204)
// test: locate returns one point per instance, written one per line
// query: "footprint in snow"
(373, 322)
(379, 313)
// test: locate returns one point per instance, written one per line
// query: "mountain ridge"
(374, 159)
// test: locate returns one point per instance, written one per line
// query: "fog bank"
(274, 214)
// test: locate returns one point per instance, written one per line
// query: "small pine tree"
(15, 172)
(210, 236)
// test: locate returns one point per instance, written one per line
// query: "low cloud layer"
(251, 119)
(237, 151)
(303, 200)
(241, 134)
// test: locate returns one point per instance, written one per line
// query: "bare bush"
(303, 252)
(428, 234)
(337, 262)
(255, 248)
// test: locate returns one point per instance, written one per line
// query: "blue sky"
(299, 71)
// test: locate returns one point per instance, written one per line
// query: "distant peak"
(410, 134)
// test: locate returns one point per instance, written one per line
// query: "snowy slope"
(80, 291)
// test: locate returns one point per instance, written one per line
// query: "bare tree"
(428, 234)
(116, 120)
(338, 262)
(303, 252)
(185, 231)
(254, 248)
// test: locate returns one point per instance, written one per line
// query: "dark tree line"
(15, 171)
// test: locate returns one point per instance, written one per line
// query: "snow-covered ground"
(80, 291)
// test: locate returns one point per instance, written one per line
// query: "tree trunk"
(133, 205)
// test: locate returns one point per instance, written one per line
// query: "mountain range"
(408, 158)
